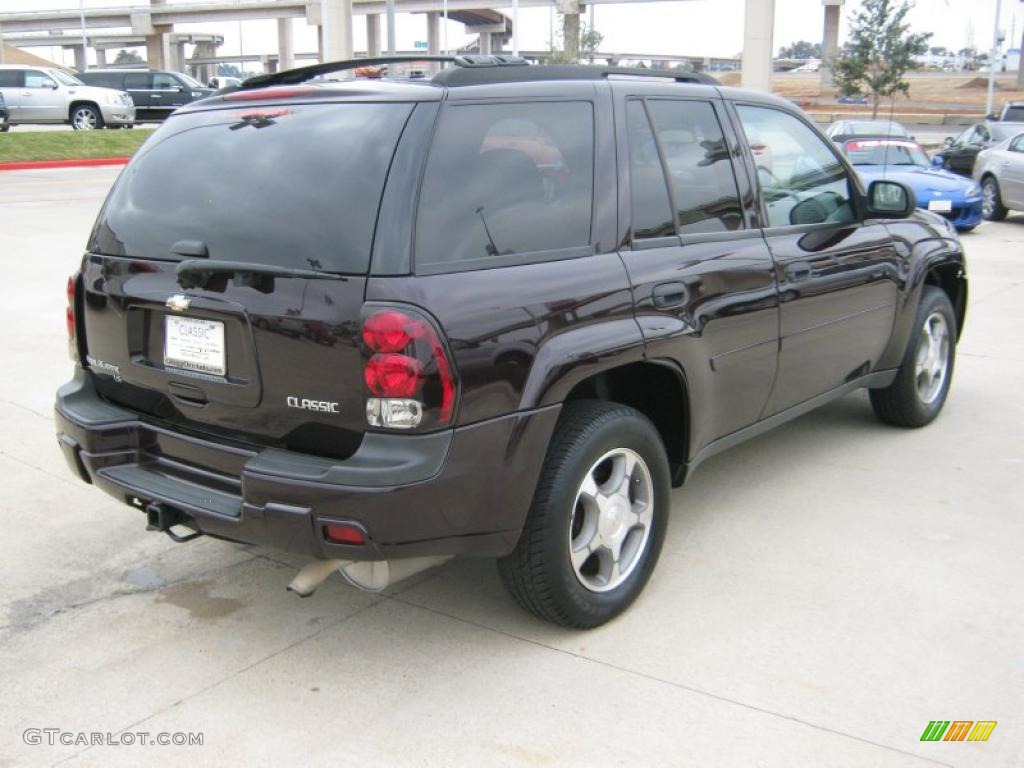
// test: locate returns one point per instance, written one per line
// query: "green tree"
(880, 52)
(801, 49)
(128, 57)
(590, 42)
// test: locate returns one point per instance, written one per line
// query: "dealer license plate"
(194, 344)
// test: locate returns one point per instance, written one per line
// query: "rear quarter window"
(506, 182)
(295, 186)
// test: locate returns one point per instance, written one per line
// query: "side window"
(700, 170)
(506, 179)
(1017, 145)
(11, 78)
(164, 82)
(138, 82)
(37, 79)
(802, 180)
(652, 210)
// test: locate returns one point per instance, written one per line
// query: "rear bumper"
(465, 491)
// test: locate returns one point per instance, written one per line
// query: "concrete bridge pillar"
(373, 35)
(830, 41)
(758, 35)
(285, 44)
(433, 33)
(81, 57)
(101, 57)
(336, 17)
(178, 57)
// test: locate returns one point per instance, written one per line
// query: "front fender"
(926, 244)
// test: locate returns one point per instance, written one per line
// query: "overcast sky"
(690, 27)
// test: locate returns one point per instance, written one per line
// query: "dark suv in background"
(497, 313)
(156, 93)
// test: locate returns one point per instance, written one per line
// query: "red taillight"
(341, 533)
(69, 312)
(407, 360)
(391, 375)
(390, 331)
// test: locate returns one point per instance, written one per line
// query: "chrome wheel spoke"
(612, 519)
(931, 363)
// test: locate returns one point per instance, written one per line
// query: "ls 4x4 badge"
(178, 303)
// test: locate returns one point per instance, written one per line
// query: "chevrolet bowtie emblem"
(178, 303)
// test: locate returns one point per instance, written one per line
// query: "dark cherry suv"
(500, 313)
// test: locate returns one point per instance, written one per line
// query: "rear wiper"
(194, 273)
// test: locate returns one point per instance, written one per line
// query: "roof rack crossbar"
(302, 74)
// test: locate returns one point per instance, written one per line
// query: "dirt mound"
(976, 82)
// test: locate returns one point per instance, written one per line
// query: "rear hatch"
(225, 275)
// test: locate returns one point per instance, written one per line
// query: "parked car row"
(53, 95)
(99, 98)
(977, 175)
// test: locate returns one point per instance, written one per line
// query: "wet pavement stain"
(143, 576)
(194, 597)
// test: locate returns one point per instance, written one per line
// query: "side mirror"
(949, 141)
(890, 200)
(937, 162)
(53, 86)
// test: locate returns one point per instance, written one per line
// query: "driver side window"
(802, 180)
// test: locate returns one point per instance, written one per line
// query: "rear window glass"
(1014, 114)
(505, 180)
(296, 186)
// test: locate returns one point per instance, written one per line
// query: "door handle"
(668, 295)
(798, 271)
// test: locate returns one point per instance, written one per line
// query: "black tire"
(5, 127)
(901, 403)
(86, 117)
(997, 211)
(539, 573)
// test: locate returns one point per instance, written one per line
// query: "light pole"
(515, 27)
(85, 43)
(990, 104)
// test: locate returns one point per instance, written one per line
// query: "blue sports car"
(942, 192)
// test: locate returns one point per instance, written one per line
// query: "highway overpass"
(155, 22)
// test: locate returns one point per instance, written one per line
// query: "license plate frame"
(194, 344)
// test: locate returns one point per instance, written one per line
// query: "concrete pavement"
(824, 591)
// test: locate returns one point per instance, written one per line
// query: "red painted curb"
(81, 162)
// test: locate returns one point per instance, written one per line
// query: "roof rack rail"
(302, 74)
(476, 76)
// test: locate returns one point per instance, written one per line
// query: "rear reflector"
(343, 533)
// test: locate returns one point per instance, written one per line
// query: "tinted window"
(507, 179)
(700, 171)
(1014, 114)
(297, 186)
(652, 210)
(161, 80)
(802, 181)
(104, 79)
(138, 81)
(36, 79)
(10, 78)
